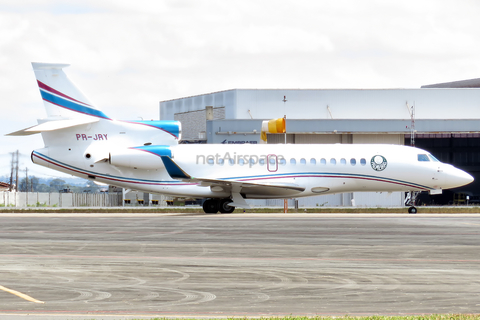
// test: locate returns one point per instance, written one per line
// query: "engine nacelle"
(172, 130)
(144, 157)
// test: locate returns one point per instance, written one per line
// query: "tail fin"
(62, 99)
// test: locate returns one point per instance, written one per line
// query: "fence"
(62, 200)
(137, 198)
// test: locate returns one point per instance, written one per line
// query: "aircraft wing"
(271, 189)
(234, 186)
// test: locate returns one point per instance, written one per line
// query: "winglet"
(174, 170)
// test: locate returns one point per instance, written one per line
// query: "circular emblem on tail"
(378, 163)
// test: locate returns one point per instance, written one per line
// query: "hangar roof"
(472, 83)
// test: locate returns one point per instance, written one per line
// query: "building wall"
(168, 109)
(358, 104)
(458, 103)
(194, 122)
(379, 138)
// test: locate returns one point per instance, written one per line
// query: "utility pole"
(16, 173)
(26, 179)
(14, 170)
(411, 111)
(11, 172)
(412, 135)
(285, 115)
(285, 201)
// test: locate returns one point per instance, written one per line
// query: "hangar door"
(459, 149)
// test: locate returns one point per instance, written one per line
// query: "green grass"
(417, 317)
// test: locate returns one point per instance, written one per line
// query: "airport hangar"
(446, 123)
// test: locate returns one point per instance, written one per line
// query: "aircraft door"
(272, 163)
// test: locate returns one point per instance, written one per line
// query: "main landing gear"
(410, 201)
(216, 205)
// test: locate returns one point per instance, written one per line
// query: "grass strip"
(376, 317)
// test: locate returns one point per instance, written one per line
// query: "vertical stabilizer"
(62, 99)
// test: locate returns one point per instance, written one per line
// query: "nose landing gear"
(410, 201)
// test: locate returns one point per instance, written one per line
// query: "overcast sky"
(126, 56)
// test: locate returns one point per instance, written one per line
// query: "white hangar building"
(447, 124)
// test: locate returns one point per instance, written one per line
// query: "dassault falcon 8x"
(146, 155)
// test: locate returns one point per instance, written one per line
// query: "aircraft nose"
(455, 177)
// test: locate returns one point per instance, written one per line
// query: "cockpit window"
(423, 157)
(433, 158)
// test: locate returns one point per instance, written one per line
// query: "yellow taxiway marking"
(21, 295)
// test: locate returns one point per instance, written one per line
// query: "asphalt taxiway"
(110, 266)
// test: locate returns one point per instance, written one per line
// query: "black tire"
(412, 210)
(224, 207)
(210, 206)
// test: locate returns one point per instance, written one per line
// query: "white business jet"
(146, 155)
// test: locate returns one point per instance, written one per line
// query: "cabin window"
(282, 161)
(423, 157)
(252, 162)
(221, 161)
(261, 161)
(323, 161)
(241, 161)
(272, 160)
(353, 161)
(333, 161)
(363, 161)
(303, 161)
(210, 161)
(293, 161)
(313, 161)
(343, 161)
(231, 161)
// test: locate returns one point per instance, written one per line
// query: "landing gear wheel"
(410, 201)
(224, 207)
(210, 206)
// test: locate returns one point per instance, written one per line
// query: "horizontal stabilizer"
(52, 126)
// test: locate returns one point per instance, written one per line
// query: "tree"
(22, 186)
(57, 185)
(42, 188)
(34, 182)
